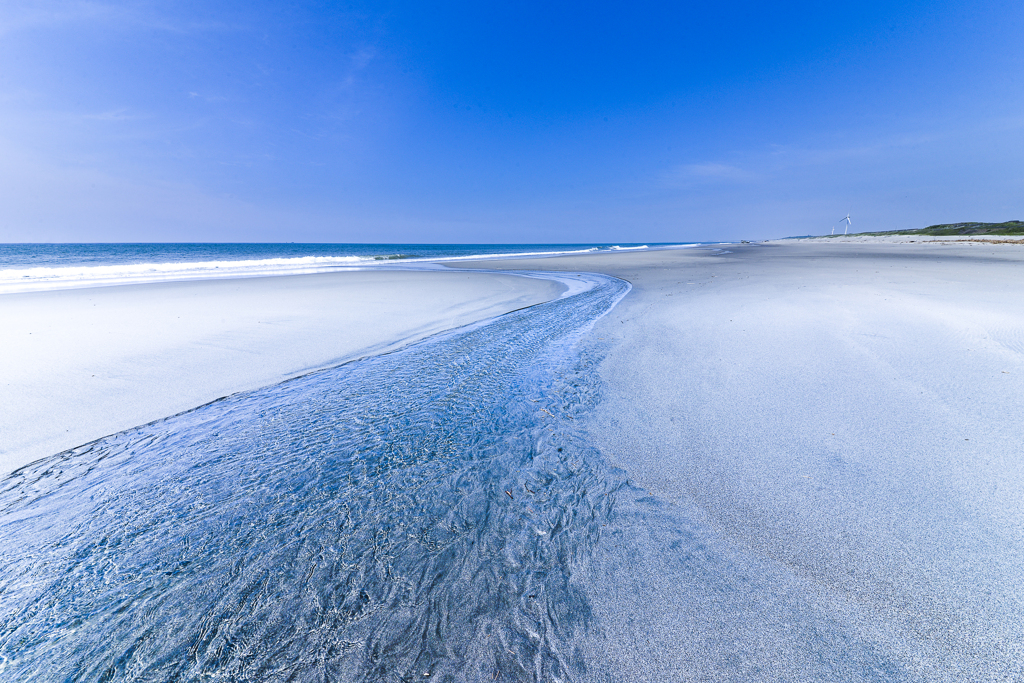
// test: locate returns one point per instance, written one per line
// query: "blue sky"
(521, 122)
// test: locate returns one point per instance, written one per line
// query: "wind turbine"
(847, 229)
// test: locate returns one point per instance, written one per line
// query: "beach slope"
(834, 428)
(79, 364)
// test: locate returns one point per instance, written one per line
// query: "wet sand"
(83, 363)
(824, 436)
(835, 428)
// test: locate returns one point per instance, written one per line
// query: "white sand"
(913, 239)
(80, 364)
(837, 423)
(842, 422)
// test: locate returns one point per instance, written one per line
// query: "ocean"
(32, 267)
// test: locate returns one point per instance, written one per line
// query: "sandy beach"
(838, 424)
(79, 364)
(960, 240)
(511, 343)
(824, 462)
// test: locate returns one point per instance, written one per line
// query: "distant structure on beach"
(845, 230)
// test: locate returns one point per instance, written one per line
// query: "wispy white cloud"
(24, 15)
(343, 98)
(362, 57)
(686, 175)
(192, 95)
(44, 201)
(114, 115)
(30, 121)
(721, 171)
(19, 16)
(774, 160)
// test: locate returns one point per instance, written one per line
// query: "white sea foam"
(60, 277)
(521, 254)
(64, 277)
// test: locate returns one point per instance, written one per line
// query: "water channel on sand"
(434, 513)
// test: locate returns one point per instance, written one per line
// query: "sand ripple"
(413, 515)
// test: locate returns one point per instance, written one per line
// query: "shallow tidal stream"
(416, 514)
(435, 513)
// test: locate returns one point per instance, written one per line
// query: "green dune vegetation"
(951, 229)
